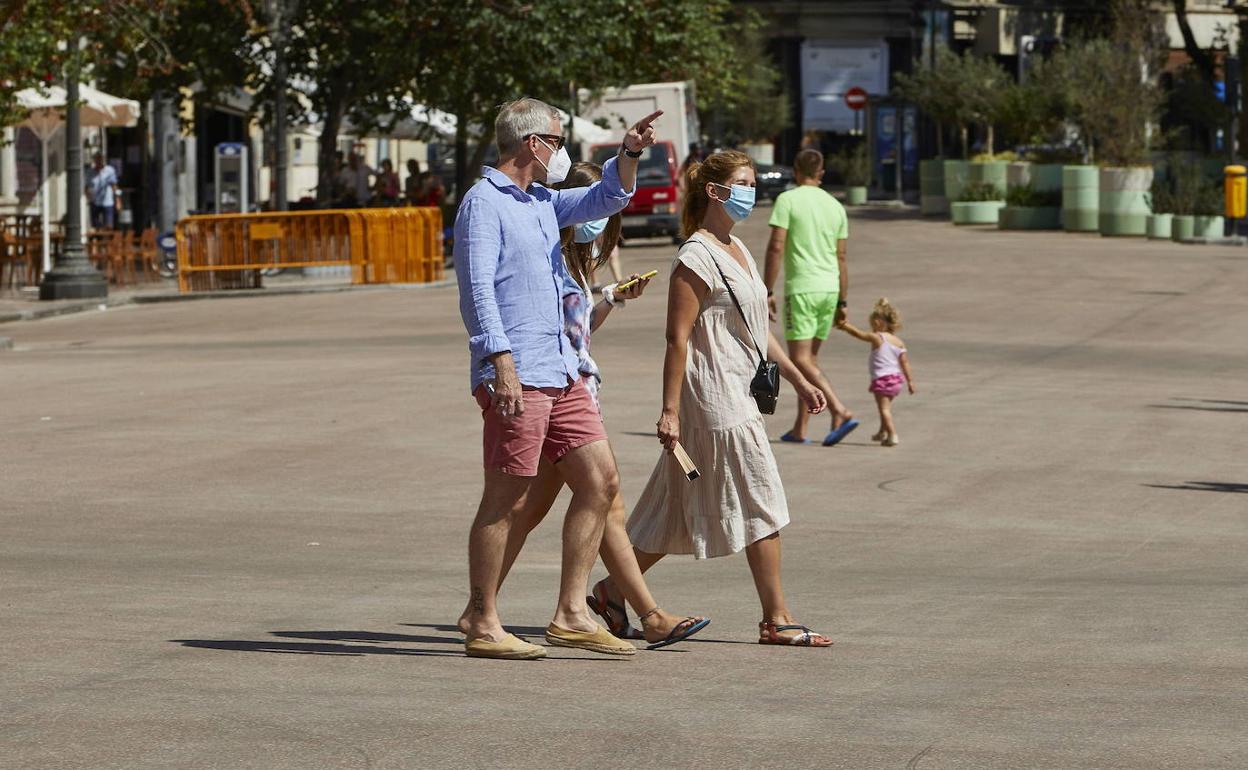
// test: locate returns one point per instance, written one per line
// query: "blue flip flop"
(835, 436)
(677, 635)
(791, 439)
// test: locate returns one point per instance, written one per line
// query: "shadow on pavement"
(1204, 486)
(1226, 409)
(308, 648)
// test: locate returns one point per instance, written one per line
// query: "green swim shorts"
(809, 315)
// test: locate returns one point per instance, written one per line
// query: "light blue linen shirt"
(511, 273)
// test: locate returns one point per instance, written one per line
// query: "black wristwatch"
(629, 152)
(842, 303)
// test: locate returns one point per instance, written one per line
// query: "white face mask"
(560, 164)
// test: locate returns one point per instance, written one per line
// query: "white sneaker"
(880, 436)
(892, 440)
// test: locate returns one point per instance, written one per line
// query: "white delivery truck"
(654, 209)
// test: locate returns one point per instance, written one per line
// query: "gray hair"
(520, 118)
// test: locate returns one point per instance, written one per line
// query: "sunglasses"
(555, 139)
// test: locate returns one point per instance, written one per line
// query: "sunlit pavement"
(233, 533)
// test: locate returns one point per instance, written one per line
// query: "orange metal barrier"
(391, 245)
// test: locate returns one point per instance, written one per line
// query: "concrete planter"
(1079, 199)
(855, 196)
(1046, 176)
(955, 177)
(1183, 227)
(1017, 174)
(1209, 227)
(1160, 226)
(932, 198)
(976, 212)
(988, 172)
(1031, 218)
(1123, 200)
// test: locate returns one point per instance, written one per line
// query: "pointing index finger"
(645, 122)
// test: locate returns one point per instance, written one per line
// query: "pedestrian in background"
(355, 180)
(386, 188)
(102, 193)
(524, 377)
(810, 235)
(716, 329)
(411, 185)
(888, 364)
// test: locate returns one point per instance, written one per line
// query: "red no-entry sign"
(855, 98)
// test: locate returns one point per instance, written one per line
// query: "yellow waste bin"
(1236, 188)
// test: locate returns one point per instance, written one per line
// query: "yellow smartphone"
(629, 284)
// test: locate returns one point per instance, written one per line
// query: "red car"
(654, 209)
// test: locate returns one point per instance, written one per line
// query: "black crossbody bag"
(765, 387)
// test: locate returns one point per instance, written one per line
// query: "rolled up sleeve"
(600, 199)
(478, 245)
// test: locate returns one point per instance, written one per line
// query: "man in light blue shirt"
(101, 193)
(523, 372)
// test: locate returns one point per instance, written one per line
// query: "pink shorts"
(555, 421)
(889, 385)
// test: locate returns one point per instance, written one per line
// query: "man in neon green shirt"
(810, 233)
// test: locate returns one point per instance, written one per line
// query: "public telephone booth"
(892, 130)
(230, 189)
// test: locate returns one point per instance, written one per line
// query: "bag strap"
(761, 358)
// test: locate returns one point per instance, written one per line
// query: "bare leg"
(590, 472)
(626, 578)
(614, 260)
(543, 490)
(804, 354)
(885, 405)
(502, 503)
(764, 558)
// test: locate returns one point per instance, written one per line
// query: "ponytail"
(695, 201)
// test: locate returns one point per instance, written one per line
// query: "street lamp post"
(73, 276)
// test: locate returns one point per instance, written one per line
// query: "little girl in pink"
(888, 363)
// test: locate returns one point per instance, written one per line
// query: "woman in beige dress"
(738, 503)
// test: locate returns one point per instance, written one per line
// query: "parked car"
(654, 209)
(773, 180)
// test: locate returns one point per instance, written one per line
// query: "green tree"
(755, 107)
(478, 54)
(961, 90)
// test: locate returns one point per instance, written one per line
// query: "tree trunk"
(1199, 56)
(940, 139)
(326, 166)
(991, 137)
(962, 130)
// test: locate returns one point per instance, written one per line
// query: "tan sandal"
(769, 633)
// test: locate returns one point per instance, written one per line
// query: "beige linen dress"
(738, 499)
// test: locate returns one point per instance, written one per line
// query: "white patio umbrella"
(47, 111)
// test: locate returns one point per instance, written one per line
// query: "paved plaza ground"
(233, 533)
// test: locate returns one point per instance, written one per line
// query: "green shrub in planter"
(1029, 197)
(1027, 208)
(981, 191)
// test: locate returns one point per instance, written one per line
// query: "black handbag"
(765, 387)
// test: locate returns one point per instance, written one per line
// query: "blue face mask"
(740, 201)
(587, 232)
